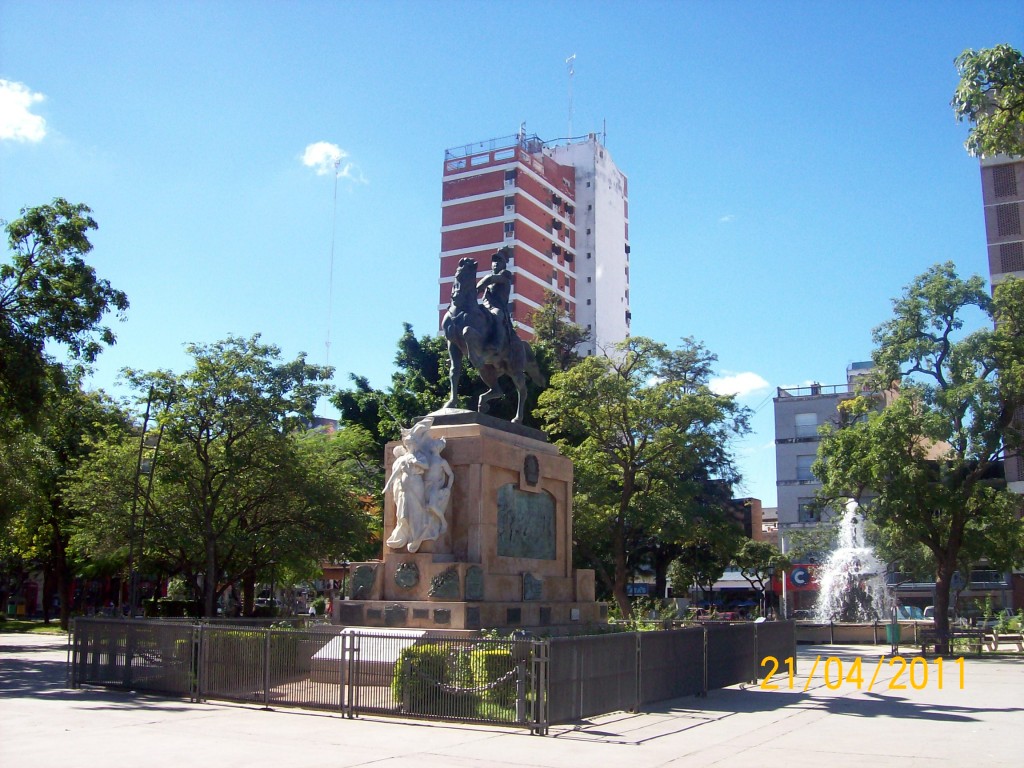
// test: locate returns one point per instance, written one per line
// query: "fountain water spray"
(852, 580)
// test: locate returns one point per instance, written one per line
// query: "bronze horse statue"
(489, 342)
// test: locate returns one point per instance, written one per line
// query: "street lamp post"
(132, 578)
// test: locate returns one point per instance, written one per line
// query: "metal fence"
(520, 681)
(596, 674)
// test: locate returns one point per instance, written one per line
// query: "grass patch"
(35, 627)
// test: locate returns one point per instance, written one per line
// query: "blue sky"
(792, 165)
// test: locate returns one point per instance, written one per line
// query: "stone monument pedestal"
(505, 560)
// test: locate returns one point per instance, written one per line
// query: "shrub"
(427, 679)
(489, 665)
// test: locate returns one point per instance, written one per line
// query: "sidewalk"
(43, 724)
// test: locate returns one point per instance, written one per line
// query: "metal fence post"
(345, 674)
(521, 691)
(638, 667)
(129, 653)
(72, 681)
(704, 687)
(196, 662)
(540, 653)
(757, 652)
(266, 669)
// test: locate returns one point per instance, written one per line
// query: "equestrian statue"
(484, 333)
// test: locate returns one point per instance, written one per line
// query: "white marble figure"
(421, 483)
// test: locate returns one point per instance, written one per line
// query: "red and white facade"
(563, 213)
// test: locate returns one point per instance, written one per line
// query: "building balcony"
(817, 390)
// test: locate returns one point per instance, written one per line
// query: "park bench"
(993, 639)
(975, 637)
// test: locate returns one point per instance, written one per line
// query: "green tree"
(699, 513)
(926, 467)
(241, 486)
(703, 558)
(48, 294)
(644, 433)
(757, 562)
(990, 96)
(42, 522)
(557, 335)
(419, 385)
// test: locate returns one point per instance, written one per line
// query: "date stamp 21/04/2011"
(917, 673)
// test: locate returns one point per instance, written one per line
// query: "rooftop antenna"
(571, 63)
(330, 278)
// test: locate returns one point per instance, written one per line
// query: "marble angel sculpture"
(421, 484)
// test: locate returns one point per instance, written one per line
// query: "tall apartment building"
(799, 411)
(1002, 190)
(562, 210)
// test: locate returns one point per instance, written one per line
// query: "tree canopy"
(241, 484)
(34, 467)
(927, 466)
(757, 562)
(990, 96)
(49, 294)
(646, 436)
(556, 334)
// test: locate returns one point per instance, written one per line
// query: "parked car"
(909, 613)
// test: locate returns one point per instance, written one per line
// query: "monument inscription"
(526, 524)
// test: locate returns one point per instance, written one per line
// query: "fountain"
(852, 579)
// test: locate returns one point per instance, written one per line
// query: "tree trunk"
(47, 592)
(62, 571)
(621, 574)
(943, 581)
(210, 577)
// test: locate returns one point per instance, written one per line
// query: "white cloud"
(325, 157)
(727, 218)
(17, 123)
(739, 384)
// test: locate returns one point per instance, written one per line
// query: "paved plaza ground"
(42, 723)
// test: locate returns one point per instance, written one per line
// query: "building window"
(510, 177)
(588, 254)
(806, 425)
(510, 229)
(1004, 181)
(1011, 257)
(808, 511)
(803, 468)
(588, 302)
(510, 203)
(588, 230)
(1007, 219)
(589, 279)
